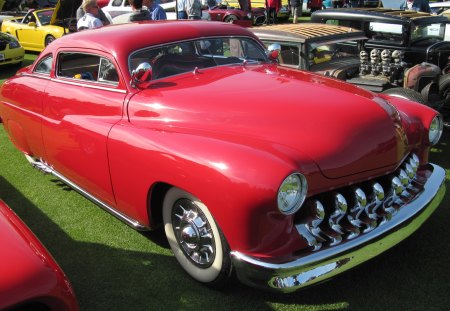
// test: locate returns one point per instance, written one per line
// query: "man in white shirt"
(89, 20)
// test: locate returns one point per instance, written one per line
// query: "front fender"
(416, 119)
(55, 31)
(237, 179)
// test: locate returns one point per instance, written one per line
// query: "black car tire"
(444, 88)
(195, 239)
(49, 39)
(406, 94)
(230, 18)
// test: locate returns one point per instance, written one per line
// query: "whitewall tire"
(195, 239)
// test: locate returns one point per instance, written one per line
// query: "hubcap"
(193, 233)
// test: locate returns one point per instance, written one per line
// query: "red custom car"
(287, 186)
(30, 277)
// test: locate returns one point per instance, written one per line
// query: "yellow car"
(38, 28)
(11, 52)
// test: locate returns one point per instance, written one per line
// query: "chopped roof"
(125, 38)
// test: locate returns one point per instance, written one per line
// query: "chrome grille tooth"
(404, 179)
(392, 199)
(414, 162)
(355, 213)
(309, 229)
(340, 209)
(369, 206)
(409, 171)
(375, 201)
(357, 209)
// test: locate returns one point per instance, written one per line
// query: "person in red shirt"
(272, 8)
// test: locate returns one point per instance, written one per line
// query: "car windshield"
(185, 56)
(393, 33)
(431, 31)
(321, 52)
(45, 17)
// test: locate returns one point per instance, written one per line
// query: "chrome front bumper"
(317, 266)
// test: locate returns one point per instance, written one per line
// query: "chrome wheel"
(195, 239)
(193, 233)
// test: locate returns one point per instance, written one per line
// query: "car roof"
(439, 4)
(377, 14)
(306, 31)
(126, 38)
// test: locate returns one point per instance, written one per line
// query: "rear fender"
(17, 136)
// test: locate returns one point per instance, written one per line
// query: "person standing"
(194, 9)
(156, 11)
(416, 5)
(139, 13)
(296, 8)
(89, 19)
(272, 8)
(101, 15)
(181, 9)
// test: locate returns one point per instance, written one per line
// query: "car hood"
(65, 9)
(344, 129)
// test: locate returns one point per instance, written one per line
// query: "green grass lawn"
(113, 267)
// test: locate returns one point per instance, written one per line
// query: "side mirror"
(141, 76)
(273, 51)
(32, 24)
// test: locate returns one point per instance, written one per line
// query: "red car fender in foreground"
(29, 276)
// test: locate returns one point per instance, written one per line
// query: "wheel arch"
(155, 200)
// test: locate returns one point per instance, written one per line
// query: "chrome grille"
(332, 218)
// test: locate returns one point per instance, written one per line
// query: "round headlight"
(14, 44)
(435, 130)
(292, 193)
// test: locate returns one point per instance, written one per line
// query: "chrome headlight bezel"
(292, 193)
(435, 130)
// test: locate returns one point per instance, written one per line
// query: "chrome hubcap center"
(189, 235)
(193, 233)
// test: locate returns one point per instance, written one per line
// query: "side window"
(29, 18)
(117, 2)
(332, 22)
(87, 67)
(107, 72)
(289, 54)
(44, 65)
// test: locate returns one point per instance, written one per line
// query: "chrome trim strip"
(323, 264)
(36, 75)
(89, 85)
(47, 169)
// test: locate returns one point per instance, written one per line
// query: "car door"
(29, 33)
(84, 100)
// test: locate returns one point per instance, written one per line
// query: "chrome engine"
(385, 65)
